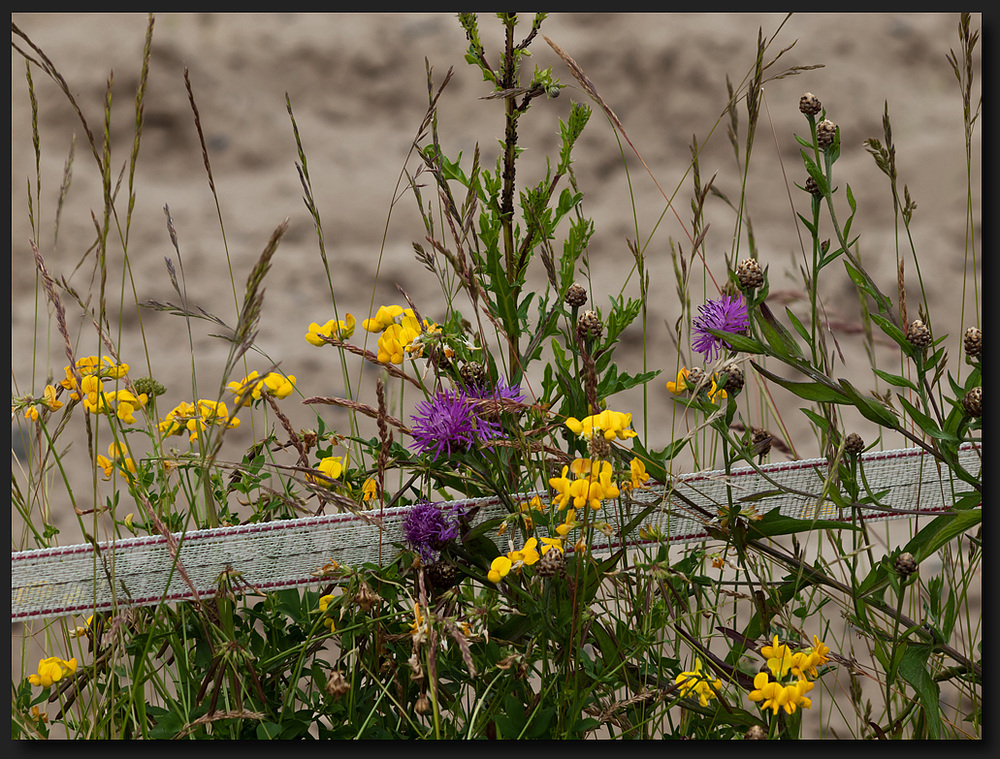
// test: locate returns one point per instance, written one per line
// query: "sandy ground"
(357, 84)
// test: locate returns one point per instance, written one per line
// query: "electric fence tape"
(82, 579)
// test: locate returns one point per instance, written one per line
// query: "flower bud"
(809, 104)
(576, 296)
(826, 130)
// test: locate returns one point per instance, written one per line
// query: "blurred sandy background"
(358, 88)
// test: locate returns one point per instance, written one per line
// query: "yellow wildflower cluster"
(52, 669)
(612, 424)
(685, 383)
(253, 386)
(90, 390)
(697, 683)
(523, 557)
(341, 330)
(591, 485)
(791, 671)
(400, 332)
(117, 456)
(196, 418)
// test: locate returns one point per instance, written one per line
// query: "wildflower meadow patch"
(491, 545)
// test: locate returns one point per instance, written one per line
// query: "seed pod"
(918, 335)
(905, 565)
(553, 562)
(576, 296)
(734, 379)
(589, 325)
(853, 444)
(973, 342)
(809, 104)
(473, 374)
(755, 733)
(443, 575)
(695, 378)
(599, 448)
(749, 274)
(973, 402)
(826, 130)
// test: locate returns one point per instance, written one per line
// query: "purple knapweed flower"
(499, 391)
(427, 529)
(728, 314)
(448, 422)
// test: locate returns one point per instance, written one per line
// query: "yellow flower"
(610, 423)
(187, 416)
(681, 384)
(49, 399)
(804, 663)
(639, 476)
(551, 543)
(370, 489)
(51, 670)
(569, 523)
(779, 658)
(279, 385)
(125, 404)
(714, 394)
(341, 330)
(699, 683)
(324, 602)
(385, 316)
(332, 467)
(31, 414)
(117, 456)
(773, 695)
(499, 568)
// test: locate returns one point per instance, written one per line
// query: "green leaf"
(941, 530)
(895, 379)
(775, 523)
(926, 424)
(870, 408)
(744, 344)
(913, 669)
(811, 391)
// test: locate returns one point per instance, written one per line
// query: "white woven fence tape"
(81, 579)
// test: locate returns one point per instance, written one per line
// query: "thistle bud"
(749, 274)
(755, 733)
(813, 189)
(826, 130)
(553, 562)
(734, 379)
(973, 402)
(973, 342)
(853, 444)
(589, 325)
(443, 575)
(809, 104)
(576, 296)
(918, 335)
(905, 565)
(473, 374)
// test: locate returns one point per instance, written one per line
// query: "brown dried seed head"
(905, 564)
(825, 132)
(812, 188)
(336, 684)
(809, 104)
(973, 402)
(552, 563)
(589, 325)
(695, 378)
(918, 335)
(973, 342)
(755, 733)
(576, 296)
(749, 274)
(734, 379)
(853, 444)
